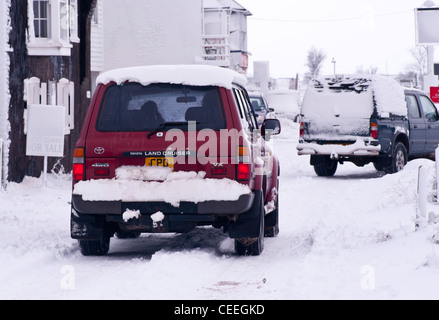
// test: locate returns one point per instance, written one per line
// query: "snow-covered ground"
(348, 237)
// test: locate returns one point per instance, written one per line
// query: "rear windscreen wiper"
(166, 125)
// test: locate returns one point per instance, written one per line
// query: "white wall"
(146, 32)
(97, 38)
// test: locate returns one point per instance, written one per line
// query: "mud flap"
(84, 227)
(248, 224)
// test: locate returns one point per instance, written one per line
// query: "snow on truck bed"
(194, 75)
(343, 106)
(353, 96)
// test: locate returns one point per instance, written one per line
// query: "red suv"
(170, 148)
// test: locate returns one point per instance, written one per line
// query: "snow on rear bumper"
(240, 206)
(360, 148)
(193, 195)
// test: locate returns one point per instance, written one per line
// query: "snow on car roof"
(194, 75)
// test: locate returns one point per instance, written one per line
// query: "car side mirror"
(271, 109)
(270, 127)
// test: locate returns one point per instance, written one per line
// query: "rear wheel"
(399, 158)
(325, 167)
(272, 220)
(95, 247)
(253, 246)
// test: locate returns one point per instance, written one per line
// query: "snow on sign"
(45, 131)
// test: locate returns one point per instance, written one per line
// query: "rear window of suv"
(133, 107)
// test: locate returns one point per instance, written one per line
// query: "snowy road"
(348, 237)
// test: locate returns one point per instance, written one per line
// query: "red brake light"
(374, 130)
(302, 129)
(78, 164)
(243, 171)
(78, 171)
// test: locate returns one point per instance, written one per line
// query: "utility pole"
(334, 62)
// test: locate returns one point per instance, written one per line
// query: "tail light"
(374, 130)
(243, 154)
(243, 171)
(78, 165)
(302, 129)
(243, 168)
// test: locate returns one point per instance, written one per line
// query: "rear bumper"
(240, 206)
(90, 220)
(360, 148)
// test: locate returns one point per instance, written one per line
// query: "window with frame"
(73, 21)
(413, 107)
(430, 111)
(41, 18)
(52, 27)
(64, 25)
(136, 108)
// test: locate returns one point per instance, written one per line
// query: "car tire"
(95, 247)
(272, 219)
(379, 166)
(325, 167)
(399, 158)
(253, 247)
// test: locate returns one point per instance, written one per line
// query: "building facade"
(224, 34)
(49, 64)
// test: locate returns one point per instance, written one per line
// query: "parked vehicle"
(260, 106)
(167, 149)
(366, 120)
(285, 103)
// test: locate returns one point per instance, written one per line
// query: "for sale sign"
(434, 94)
(45, 131)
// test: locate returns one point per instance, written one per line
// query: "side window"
(242, 111)
(245, 110)
(430, 111)
(413, 107)
(238, 102)
(249, 110)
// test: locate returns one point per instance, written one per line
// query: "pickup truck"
(363, 120)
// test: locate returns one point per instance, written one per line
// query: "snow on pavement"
(352, 236)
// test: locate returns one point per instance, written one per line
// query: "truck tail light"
(374, 130)
(243, 154)
(302, 129)
(243, 168)
(78, 165)
(243, 171)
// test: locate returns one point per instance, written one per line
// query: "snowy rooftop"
(224, 4)
(194, 75)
